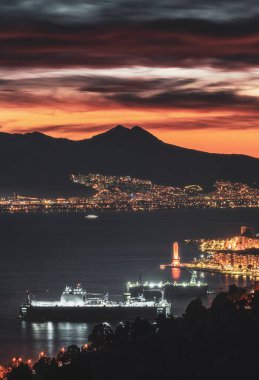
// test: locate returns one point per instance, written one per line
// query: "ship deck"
(105, 305)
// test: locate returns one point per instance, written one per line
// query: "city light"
(124, 193)
(237, 255)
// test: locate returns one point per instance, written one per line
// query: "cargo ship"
(152, 290)
(76, 304)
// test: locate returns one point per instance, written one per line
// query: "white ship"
(76, 304)
(91, 216)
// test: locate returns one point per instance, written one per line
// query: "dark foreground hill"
(37, 164)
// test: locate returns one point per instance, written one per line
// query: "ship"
(76, 304)
(153, 290)
(91, 216)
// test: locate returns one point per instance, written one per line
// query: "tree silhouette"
(195, 312)
(101, 336)
(203, 344)
(23, 372)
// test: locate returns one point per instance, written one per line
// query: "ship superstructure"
(76, 304)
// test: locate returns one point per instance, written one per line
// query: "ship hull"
(170, 291)
(192, 291)
(90, 314)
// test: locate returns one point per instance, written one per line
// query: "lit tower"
(176, 256)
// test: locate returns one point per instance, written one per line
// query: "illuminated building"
(244, 242)
(124, 193)
(234, 261)
(236, 255)
(176, 256)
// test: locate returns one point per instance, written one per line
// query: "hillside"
(37, 164)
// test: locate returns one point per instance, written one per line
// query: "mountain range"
(40, 165)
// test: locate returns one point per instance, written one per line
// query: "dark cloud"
(114, 33)
(65, 129)
(234, 122)
(105, 84)
(96, 92)
(58, 34)
(27, 99)
(140, 10)
(95, 83)
(184, 99)
(33, 42)
(51, 100)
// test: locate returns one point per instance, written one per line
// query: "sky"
(187, 71)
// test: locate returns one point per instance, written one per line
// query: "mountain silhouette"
(37, 164)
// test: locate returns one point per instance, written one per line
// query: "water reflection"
(50, 336)
(103, 255)
(27, 339)
(175, 274)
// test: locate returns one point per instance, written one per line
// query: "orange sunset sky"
(188, 75)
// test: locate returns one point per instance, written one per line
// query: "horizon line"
(101, 131)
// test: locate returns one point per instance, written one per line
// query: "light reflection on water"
(175, 274)
(51, 336)
(49, 251)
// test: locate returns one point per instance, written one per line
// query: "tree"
(101, 337)
(222, 305)
(23, 372)
(195, 311)
(255, 303)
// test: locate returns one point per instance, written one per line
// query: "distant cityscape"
(126, 193)
(237, 255)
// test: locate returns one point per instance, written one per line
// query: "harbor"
(130, 243)
(237, 256)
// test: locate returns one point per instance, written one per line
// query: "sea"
(49, 251)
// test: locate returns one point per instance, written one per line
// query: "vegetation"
(221, 342)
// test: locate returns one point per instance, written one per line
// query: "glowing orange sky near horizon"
(183, 110)
(80, 125)
(81, 72)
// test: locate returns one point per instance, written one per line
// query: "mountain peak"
(114, 134)
(139, 131)
(34, 133)
(39, 162)
(119, 127)
(38, 136)
(137, 128)
(120, 134)
(143, 133)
